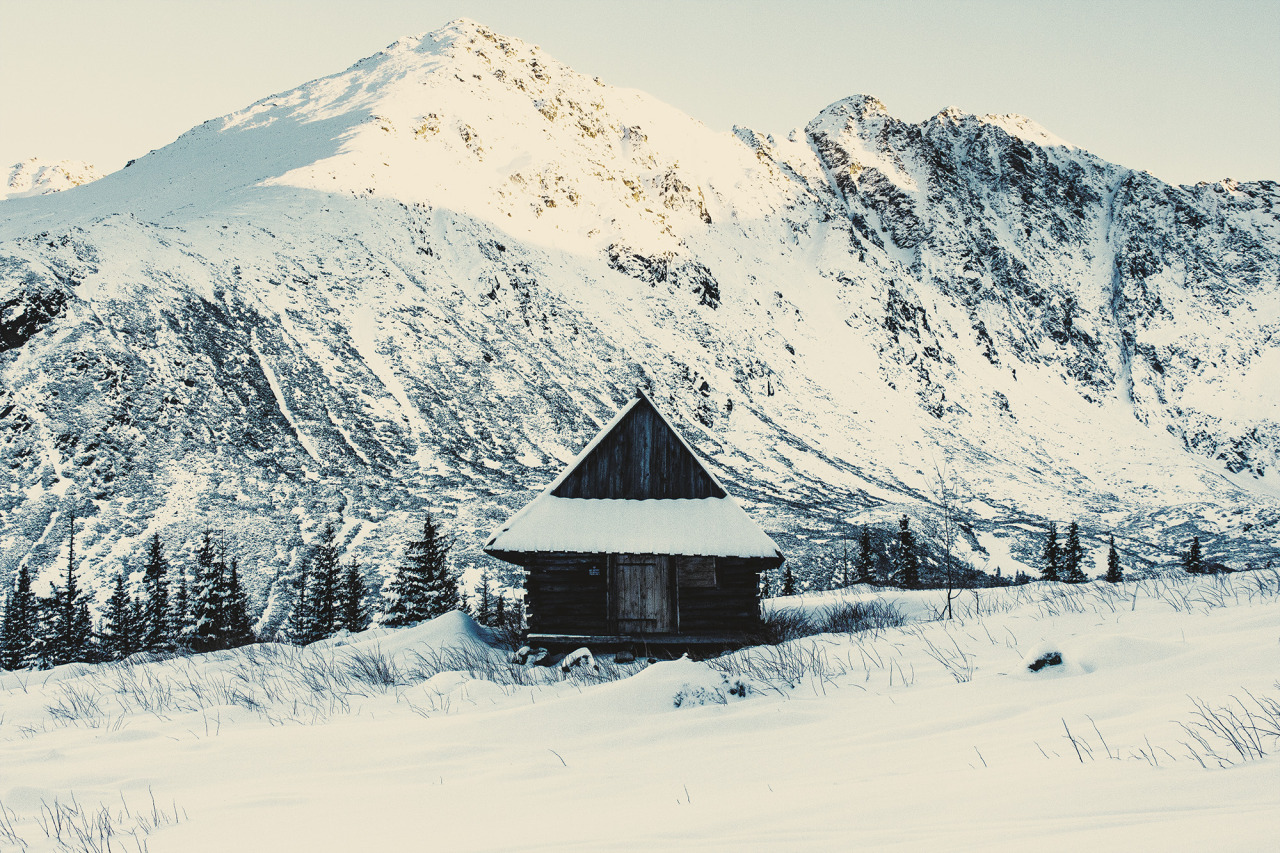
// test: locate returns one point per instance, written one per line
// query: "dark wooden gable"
(640, 459)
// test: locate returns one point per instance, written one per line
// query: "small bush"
(374, 668)
(779, 626)
(847, 617)
(854, 617)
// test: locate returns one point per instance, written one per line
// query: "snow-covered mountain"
(35, 176)
(427, 280)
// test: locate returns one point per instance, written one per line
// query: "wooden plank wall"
(563, 597)
(732, 606)
(640, 459)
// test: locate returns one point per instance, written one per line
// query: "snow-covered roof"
(713, 527)
(710, 527)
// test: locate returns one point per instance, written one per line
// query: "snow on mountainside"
(427, 280)
(34, 176)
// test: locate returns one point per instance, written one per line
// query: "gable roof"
(637, 487)
(638, 456)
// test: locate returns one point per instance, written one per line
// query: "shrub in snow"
(527, 655)
(692, 695)
(781, 624)
(1046, 659)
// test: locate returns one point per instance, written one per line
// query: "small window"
(696, 572)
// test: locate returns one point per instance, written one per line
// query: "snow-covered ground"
(935, 735)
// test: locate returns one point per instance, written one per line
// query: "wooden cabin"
(636, 542)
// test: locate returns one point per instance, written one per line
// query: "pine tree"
(1193, 560)
(353, 614)
(1114, 574)
(66, 628)
(119, 629)
(207, 593)
(424, 585)
(18, 631)
(238, 629)
(156, 624)
(865, 564)
(1072, 556)
(1052, 556)
(908, 568)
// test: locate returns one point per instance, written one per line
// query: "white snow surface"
(716, 527)
(36, 176)
(931, 736)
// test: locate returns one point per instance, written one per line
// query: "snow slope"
(35, 176)
(932, 736)
(427, 280)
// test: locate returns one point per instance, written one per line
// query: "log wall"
(564, 597)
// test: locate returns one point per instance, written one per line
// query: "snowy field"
(1158, 730)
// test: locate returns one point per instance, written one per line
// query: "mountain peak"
(857, 107)
(460, 31)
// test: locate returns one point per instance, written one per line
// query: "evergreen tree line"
(170, 612)
(875, 558)
(1064, 562)
(174, 611)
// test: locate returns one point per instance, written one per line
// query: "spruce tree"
(865, 563)
(1114, 574)
(325, 573)
(306, 624)
(207, 593)
(1072, 556)
(18, 631)
(424, 585)
(353, 614)
(180, 626)
(119, 630)
(1193, 560)
(66, 628)
(908, 568)
(1052, 556)
(156, 623)
(315, 613)
(484, 604)
(788, 580)
(302, 627)
(238, 629)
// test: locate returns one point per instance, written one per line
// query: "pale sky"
(1187, 91)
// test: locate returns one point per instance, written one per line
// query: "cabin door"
(643, 596)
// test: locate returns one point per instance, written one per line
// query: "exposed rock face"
(425, 281)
